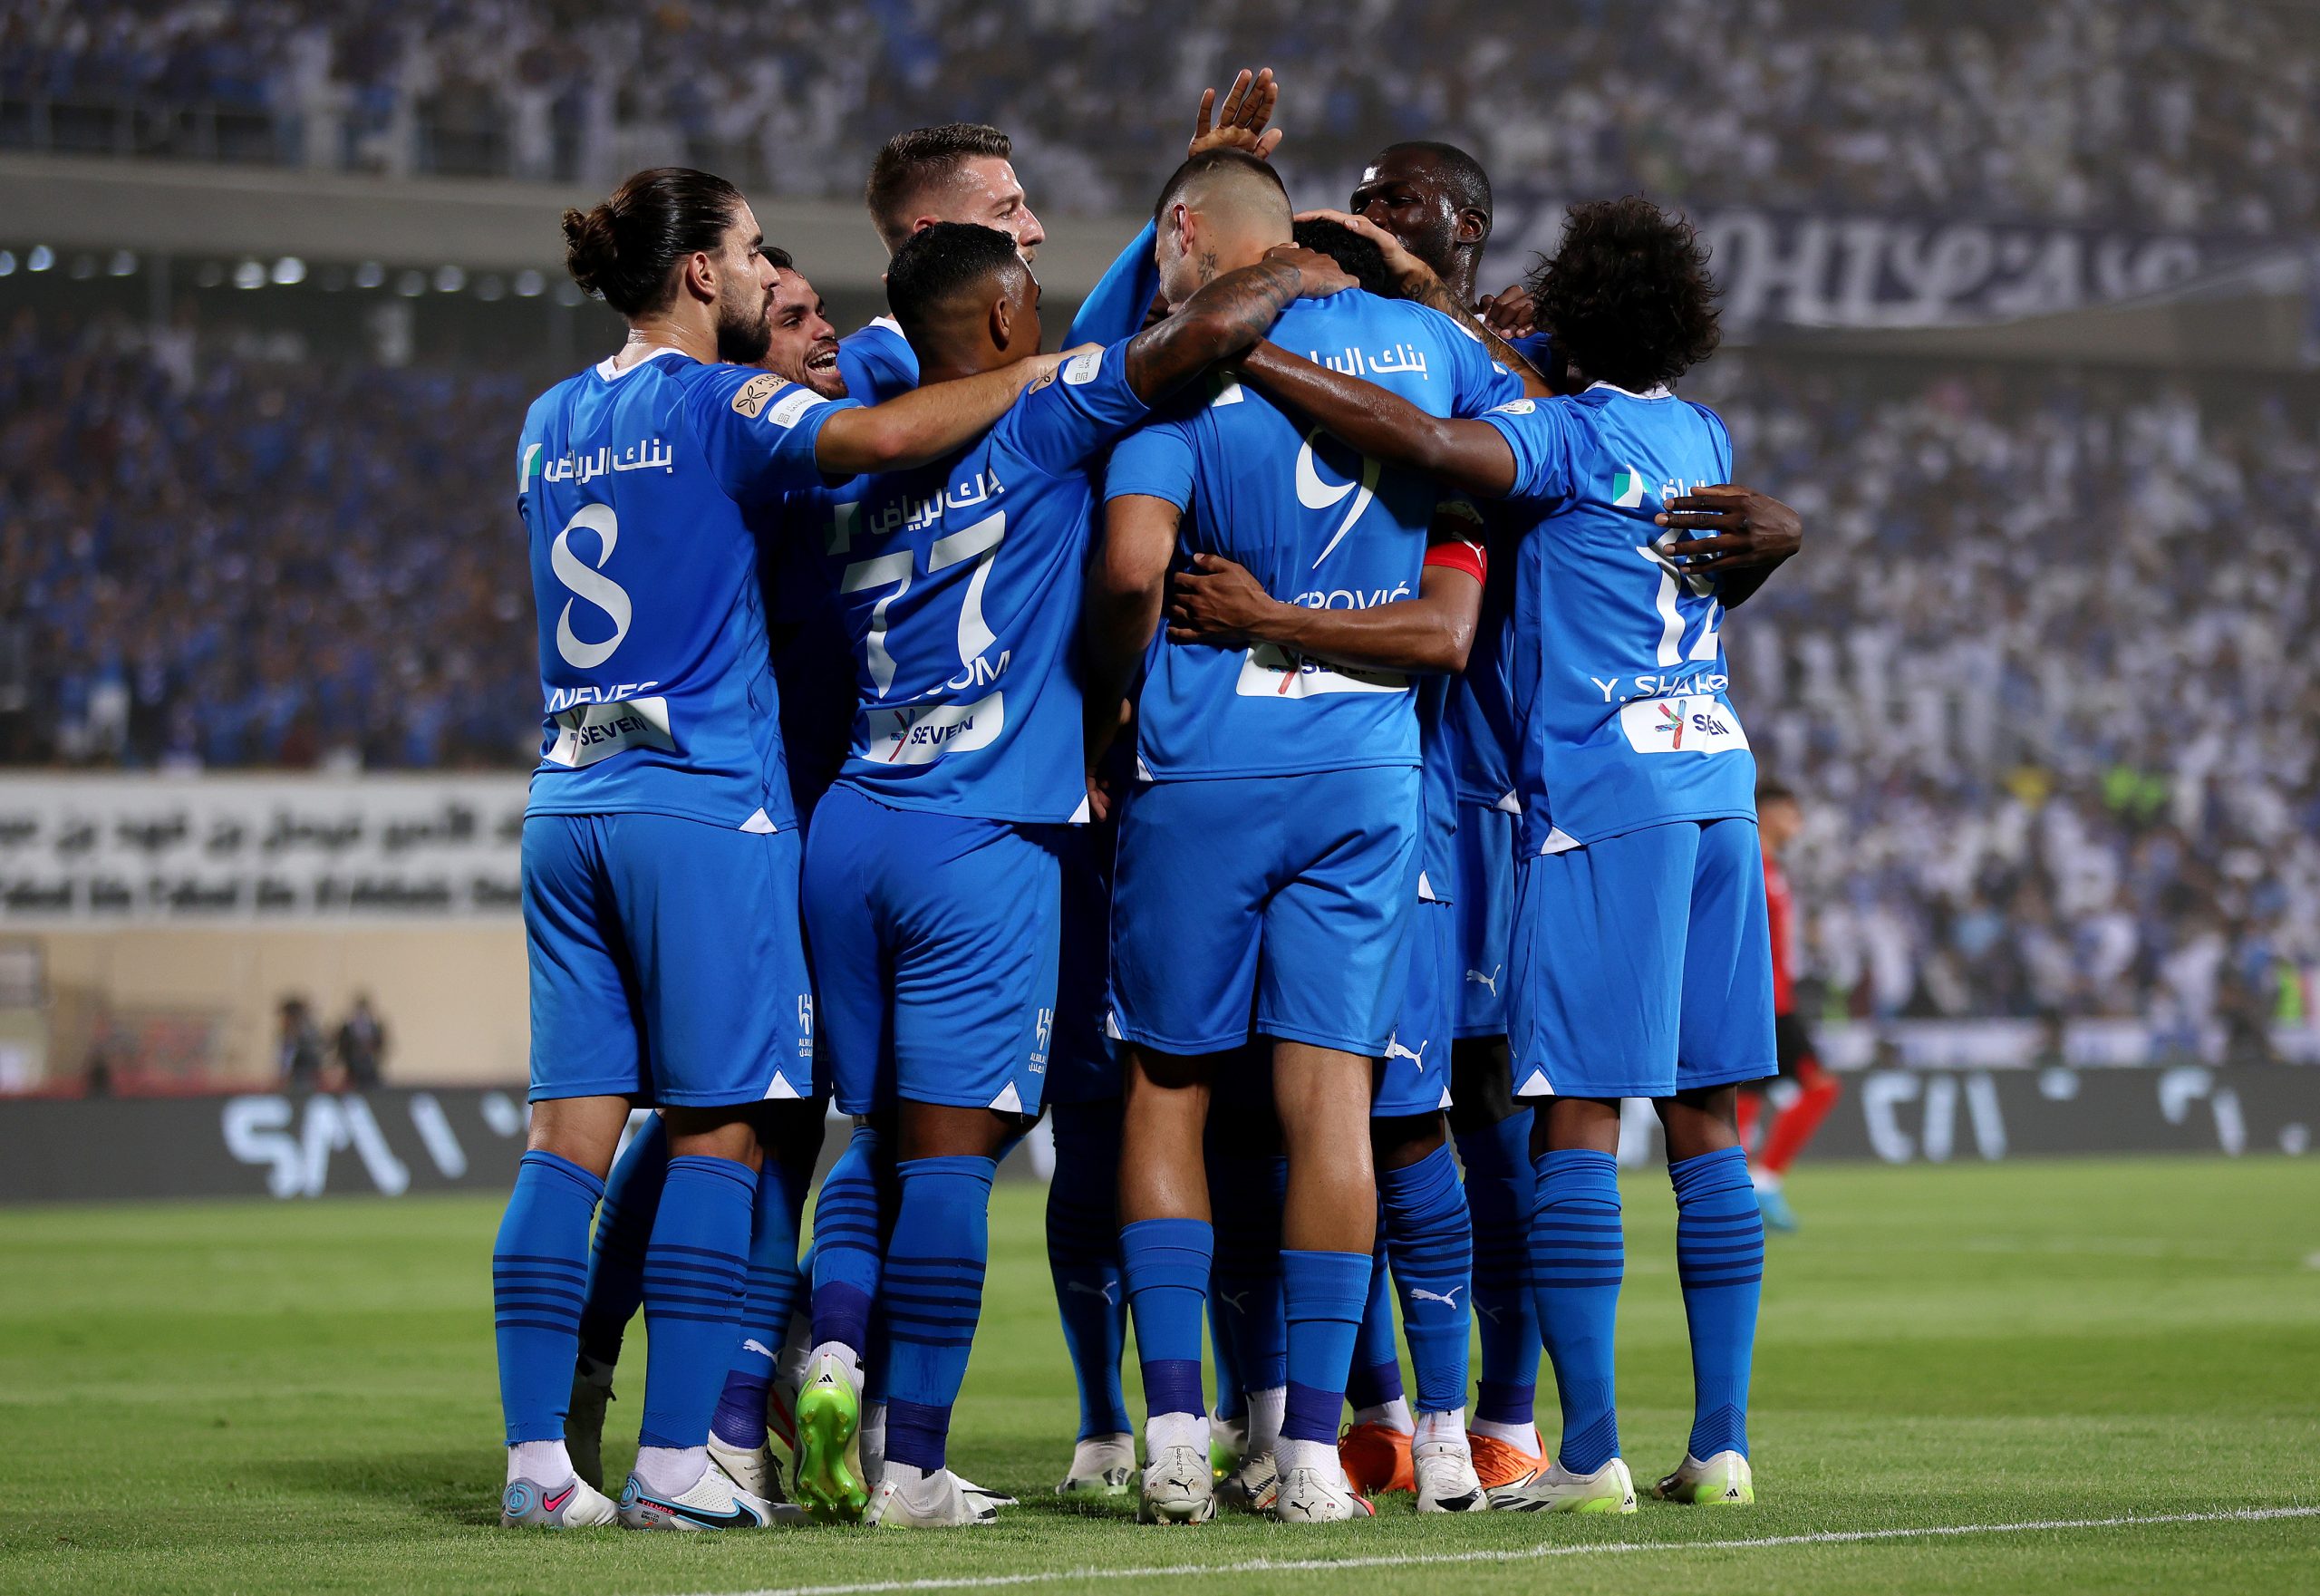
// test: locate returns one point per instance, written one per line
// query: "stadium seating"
(2177, 115)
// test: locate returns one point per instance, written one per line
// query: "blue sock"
(1498, 1202)
(1323, 1293)
(1432, 1251)
(847, 1242)
(1376, 1376)
(1231, 1393)
(771, 1293)
(539, 1266)
(1248, 1265)
(1578, 1257)
(1165, 1262)
(693, 1274)
(1720, 1258)
(1084, 1257)
(623, 1226)
(932, 1294)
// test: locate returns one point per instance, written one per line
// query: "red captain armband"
(1459, 555)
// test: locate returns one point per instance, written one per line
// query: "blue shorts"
(933, 939)
(1642, 964)
(1265, 904)
(1416, 1077)
(667, 961)
(1485, 909)
(1083, 1064)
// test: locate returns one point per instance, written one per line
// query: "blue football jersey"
(877, 362)
(631, 484)
(1314, 522)
(1616, 658)
(959, 585)
(1481, 714)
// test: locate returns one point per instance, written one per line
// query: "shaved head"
(1227, 182)
(1219, 211)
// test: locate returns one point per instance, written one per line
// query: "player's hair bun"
(626, 251)
(590, 251)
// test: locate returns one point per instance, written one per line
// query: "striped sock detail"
(932, 1294)
(693, 1272)
(1578, 1260)
(847, 1236)
(1720, 1262)
(540, 1275)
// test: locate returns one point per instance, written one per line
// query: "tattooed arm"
(1470, 455)
(1226, 317)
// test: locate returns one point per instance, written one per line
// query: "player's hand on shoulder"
(1509, 312)
(1317, 274)
(1727, 528)
(1240, 123)
(1217, 602)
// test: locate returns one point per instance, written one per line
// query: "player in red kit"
(1779, 817)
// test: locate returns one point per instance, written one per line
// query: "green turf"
(276, 1397)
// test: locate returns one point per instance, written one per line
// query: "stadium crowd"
(211, 558)
(2041, 688)
(2187, 114)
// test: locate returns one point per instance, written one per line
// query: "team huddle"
(1283, 737)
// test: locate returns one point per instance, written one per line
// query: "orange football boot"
(1497, 1463)
(1377, 1458)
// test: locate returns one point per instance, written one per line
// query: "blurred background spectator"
(2190, 114)
(298, 1045)
(361, 1045)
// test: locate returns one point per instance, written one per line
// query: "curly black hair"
(1358, 257)
(1626, 296)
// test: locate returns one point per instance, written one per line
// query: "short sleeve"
(1073, 411)
(1155, 461)
(757, 431)
(1723, 441)
(876, 363)
(1478, 382)
(1539, 432)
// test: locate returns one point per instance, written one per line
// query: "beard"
(744, 328)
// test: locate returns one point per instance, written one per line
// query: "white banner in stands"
(112, 850)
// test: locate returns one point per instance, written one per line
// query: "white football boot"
(1178, 1487)
(755, 1472)
(1553, 1489)
(1446, 1476)
(1319, 1496)
(1723, 1480)
(1252, 1487)
(906, 1499)
(713, 1503)
(1101, 1465)
(575, 1505)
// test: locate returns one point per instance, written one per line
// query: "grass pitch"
(254, 1396)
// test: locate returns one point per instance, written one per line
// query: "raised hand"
(1242, 123)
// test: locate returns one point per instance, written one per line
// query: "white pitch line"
(1261, 1565)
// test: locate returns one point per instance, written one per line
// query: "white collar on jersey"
(1657, 390)
(613, 374)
